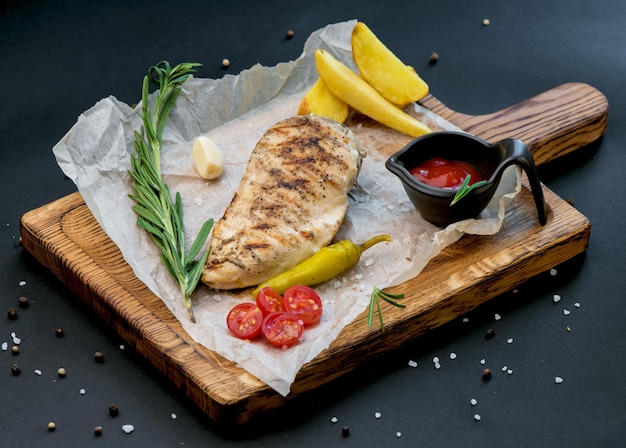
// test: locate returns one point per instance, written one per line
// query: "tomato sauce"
(443, 173)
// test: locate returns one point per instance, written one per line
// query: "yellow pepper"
(323, 265)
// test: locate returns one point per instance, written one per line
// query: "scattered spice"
(15, 370)
(61, 372)
(59, 333)
(345, 431)
(15, 350)
(98, 357)
(12, 313)
(290, 34)
(22, 302)
(486, 22)
(114, 411)
(97, 431)
(434, 57)
(486, 374)
(225, 63)
(52, 426)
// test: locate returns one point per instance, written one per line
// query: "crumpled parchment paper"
(234, 111)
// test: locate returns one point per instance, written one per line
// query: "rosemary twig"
(378, 294)
(157, 213)
(465, 188)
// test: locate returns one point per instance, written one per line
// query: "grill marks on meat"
(290, 202)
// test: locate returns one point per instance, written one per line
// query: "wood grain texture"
(66, 239)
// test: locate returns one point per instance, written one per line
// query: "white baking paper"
(234, 111)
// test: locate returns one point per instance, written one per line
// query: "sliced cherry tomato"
(304, 303)
(269, 301)
(282, 329)
(245, 320)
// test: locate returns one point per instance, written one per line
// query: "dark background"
(58, 58)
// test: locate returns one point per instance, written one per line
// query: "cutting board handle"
(552, 124)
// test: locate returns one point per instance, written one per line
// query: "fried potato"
(350, 88)
(320, 101)
(383, 70)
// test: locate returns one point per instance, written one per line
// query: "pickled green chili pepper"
(323, 265)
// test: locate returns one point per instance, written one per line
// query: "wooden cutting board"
(65, 238)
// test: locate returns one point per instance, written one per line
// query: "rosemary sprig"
(157, 213)
(465, 188)
(378, 294)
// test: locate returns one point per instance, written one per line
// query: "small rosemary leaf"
(380, 315)
(148, 215)
(166, 112)
(200, 241)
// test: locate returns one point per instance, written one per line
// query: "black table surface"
(59, 58)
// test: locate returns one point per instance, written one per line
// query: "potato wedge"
(383, 70)
(350, 88)
(320, 101)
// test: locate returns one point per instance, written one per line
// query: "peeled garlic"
(208, 159)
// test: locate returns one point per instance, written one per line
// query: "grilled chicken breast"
(290, 202)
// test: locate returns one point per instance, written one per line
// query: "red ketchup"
(444, 173)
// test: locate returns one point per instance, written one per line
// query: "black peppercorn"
(345, 431)
(490, 334)
(98, 357)
(434, 57)
(59, 332)
(114, 410)
(486, 374)
(12, 313)
(290, 34)
(97, 431)
(22, 302)
(15, 370)
(15, 350)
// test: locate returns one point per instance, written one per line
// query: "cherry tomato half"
(269, 301)
(304, 303)
(282, 329)
(245, 320)
(444, 173)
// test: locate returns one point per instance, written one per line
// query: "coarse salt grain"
(452, 355)
(497, 316)
(121, 346)
(509, 371)
(504, 369)
(566, 312)
(473, 401)
(174, 416)
(334, 420)
(398, 434)
(577, 304)
(22, 283)
(465, 320)
(377, 415)
(5, 346)
(558, 379)
(37, 372)
(437, 366)
(82, 391)
(556, 298)
(436, 359)
(128, 428)
(477, 417)
(412, 363)
(509, 341)
(553, 272)
(483, 361)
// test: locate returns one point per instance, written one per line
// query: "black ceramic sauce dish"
(490, 160)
